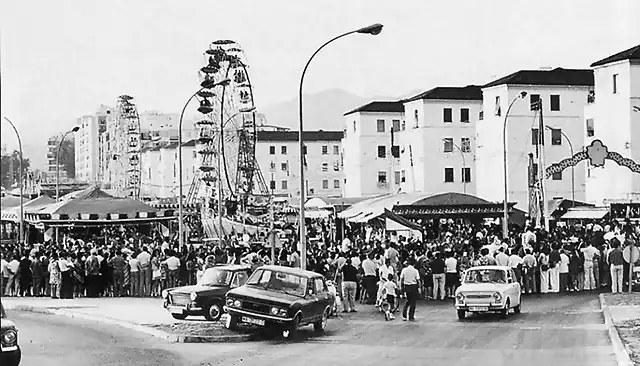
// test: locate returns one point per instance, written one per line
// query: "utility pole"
(542, 168)
(272, 233)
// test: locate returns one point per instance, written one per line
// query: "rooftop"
(469, 92)
(632, 53)
(289, 136)
(380, 107)
(557, 76)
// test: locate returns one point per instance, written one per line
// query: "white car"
(488, 289)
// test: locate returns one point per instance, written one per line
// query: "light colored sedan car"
(488, 289)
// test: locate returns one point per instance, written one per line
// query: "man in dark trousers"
(410, 282)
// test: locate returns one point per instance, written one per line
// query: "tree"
(68, 158)
(10, 168)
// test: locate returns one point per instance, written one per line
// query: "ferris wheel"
(227, 131)
(127, 149)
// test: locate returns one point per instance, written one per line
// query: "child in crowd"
(389, 293)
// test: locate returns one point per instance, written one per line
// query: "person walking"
(451, 279)
(119, 266)
(438, 270)
(529, 265)
(410, 282)
(144, 263)
(589, 278)
(616, 262)
(370, 270)
(134, 270)
(349, 285)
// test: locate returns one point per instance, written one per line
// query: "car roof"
(504, 268)
(232, 267)
(291, 270)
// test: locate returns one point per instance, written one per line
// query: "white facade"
(437, 148)
(160, 169)
(614, 119)
(87, 148)
(565, 117)
(369, 168)
(278, 157)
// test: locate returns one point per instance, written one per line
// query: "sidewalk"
(622, 313)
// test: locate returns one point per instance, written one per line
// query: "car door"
(517, 286)
(322, 293)
(511, 289)
(311, 300)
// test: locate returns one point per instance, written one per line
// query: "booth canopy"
(399, 221)
(585, 213)
(210, 226)
(452, 204)
(374, 207)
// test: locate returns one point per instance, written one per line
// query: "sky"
(61, 59)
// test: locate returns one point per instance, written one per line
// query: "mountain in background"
(322, 111)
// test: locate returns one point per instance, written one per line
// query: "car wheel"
(505, 311)
(179, 316)
(462, 314)
(289, 333)
(518, 309)
(231, 322)
(321, 324)
(213, 312)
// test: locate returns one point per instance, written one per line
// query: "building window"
(283, 150)
(557, 176)
(590, 128)
(380, 125)
(465, 145)
(325, 167)
(284, 167)
(534, 100)
(466, 175)
(354, 126)
(396, 177)
(325, 184)
(195, 154)
(447, 114)
(395, 125)
(556, 136)
(336, 150)
(615, 83)
(284, 184)
(336, 166)
(403, 176)
(404, 125)
(464, 115)
(382, 151)
(537, 138)
(497, 110)
(325, 149)
(272, 150)
(336, 183)
(555, 103)
(382, 177)
(448, 175)
(273, 165)
(416, 119)
(448, 144)
(272, 184)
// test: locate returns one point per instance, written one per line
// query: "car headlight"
(10, 337)
(165, 294)
(282, 312)
(193, 296)
(274, 311)
(237, 303)
(229, 301)
(497, 297)
(460, 297)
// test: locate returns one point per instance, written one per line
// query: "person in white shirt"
(173, 264)
(13, 284)
(564, 271)
(589, 279)
(134, 270)
(369, 280)
(4, 272)
(502, 259)
(515, 262)
(451, 275)
(144, 263)
(410, 283)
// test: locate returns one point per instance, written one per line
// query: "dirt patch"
(630, 334)
(201, 329)
(624, 299)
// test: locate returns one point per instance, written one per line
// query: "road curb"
(620, 350)
(174, 338)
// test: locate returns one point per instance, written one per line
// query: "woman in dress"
(55, 277)
(26, 276)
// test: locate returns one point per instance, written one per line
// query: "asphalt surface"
(552, 330)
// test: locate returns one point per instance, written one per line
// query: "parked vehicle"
(207, 297)
(488, 289)
(281, 297)
(11, 353)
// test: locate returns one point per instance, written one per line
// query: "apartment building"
(613, 116)
(51, 175)
(564, 94)
(437, 143)
(370, 166)
(88, 147)
(277, 154)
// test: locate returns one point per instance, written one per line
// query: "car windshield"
(279, 281)
(485, 276)
(215, 277)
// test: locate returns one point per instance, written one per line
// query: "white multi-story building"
(160, 169)
(437, 143)
(87, 147)
(278, 157)
(369, 167)
(614, 118)
(51, 175)
(564, 94)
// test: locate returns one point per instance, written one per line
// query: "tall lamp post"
(573, 170)
(75, 129)
(207, 84)
(505, 208)
(464, 164)
(21, 235)
(373, 29)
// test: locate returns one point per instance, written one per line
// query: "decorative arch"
(596, 153)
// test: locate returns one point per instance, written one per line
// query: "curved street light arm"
(505, 208)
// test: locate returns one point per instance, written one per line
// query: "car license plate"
(246, 319)
(478, 308)
(175, 310)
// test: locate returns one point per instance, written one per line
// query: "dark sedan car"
(11, 353)
(207, 297)
(282, 297)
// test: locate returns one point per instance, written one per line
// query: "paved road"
(553, 330)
